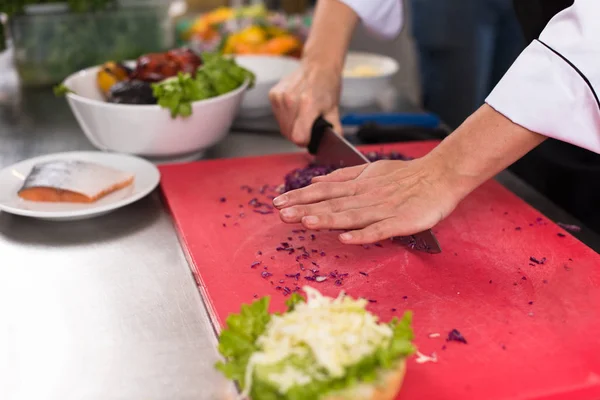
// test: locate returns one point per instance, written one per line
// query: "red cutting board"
(533, 330)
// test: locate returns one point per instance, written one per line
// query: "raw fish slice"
(72, 181)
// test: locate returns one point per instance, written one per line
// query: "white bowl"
(149, 130)
(268, 70)
(360, 91)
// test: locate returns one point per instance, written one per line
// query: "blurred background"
(450, 53)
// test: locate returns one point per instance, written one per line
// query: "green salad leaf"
(294, 299)
(61, 90)
(238, 342)
(218, 75)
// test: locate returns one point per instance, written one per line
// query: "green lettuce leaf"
(294, 299)
(218, 75)
(238, 342)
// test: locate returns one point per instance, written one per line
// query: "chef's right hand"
(299, 98)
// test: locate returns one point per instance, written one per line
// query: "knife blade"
(329, 148)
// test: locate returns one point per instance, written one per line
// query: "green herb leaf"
(61, 90)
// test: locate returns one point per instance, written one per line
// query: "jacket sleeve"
(553, 86)
(383, 17)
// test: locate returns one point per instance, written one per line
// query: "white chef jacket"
(553, 88)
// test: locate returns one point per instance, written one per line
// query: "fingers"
(333, 117)
(306, 114)
(342, 174)
(373, 233)
(315, 193)
(350, 219)
(295, 214)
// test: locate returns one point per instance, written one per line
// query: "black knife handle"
(316, 134)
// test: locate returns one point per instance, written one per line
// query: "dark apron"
(566, 174)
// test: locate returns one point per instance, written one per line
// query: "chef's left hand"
(374, 201)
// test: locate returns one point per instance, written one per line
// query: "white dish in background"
(268, 70)
(146, 180)
(149, 130)
(361, 91)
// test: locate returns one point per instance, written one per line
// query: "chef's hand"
(314, 89)
(399, 198)
(301, 97)
(374, 201)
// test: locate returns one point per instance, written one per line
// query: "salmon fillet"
(72, 181)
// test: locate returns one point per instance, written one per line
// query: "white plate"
(146, 179)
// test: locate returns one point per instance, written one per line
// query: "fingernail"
(280, 201)
(346, 236)
(310, 220)
(288, 213)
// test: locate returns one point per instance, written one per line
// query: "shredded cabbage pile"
(318, 346)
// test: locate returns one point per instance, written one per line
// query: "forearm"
(330, 34)
(484, 145)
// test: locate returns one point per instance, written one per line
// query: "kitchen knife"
(330, 148)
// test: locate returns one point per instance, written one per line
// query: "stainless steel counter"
(107, 308)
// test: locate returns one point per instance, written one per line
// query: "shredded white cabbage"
(339, 332)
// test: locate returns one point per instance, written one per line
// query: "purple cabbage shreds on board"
(295, 276)
(255, 264)
(227, 216)
(266, 274)
(322, 254)
(312, 237)
(299, 231)
(535, 260)
(259, 253)
(363, 273)
(338, 282)
(569, 227)
(562, 235)
(309, 278)
(455, 336)
(378, 245)
(222, 199)
(302, 177)
(372, 301)
(246, 188)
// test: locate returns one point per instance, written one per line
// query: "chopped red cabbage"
(338, 282)
(255, 264)
(404, 297)
(266, 274)
(222, 199)
(562, 235)
(363, 273)
(456, 336)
